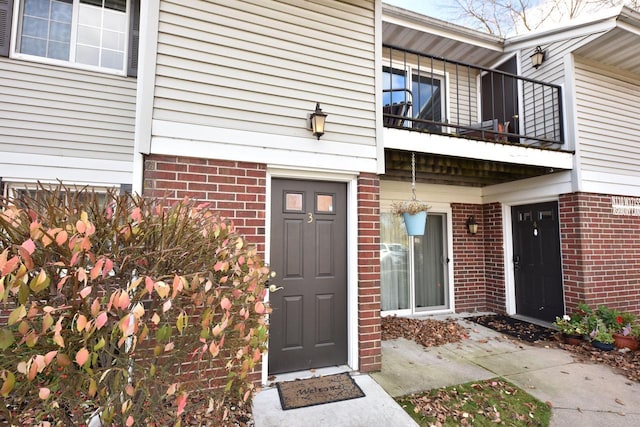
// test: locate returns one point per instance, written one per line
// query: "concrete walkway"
(581, 394)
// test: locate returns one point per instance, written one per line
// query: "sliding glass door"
(414, 270)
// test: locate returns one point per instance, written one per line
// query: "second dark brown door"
(308, 324)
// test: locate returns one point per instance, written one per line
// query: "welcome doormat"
(317, 391)
(515, 327)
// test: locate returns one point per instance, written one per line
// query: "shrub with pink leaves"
(121, 308)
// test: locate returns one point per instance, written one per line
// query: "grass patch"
(480, 403)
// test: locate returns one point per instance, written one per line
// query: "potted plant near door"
(572, 329)
(626, 335)
(601, 337)
(620, 324)
(414, 213)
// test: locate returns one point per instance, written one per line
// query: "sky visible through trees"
(512, 17)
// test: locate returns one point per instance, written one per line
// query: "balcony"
(434, 95)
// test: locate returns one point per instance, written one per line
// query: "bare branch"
(505, 17)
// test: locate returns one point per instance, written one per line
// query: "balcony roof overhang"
(615, 46)
(458, 161)
(432, 36)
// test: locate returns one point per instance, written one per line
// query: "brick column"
(369, 330)
(494, 258)
(468, 257)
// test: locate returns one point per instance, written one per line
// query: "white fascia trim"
(190, 133)
(437, 195)
(380, 166)
(630, 28)
(570, 118)
(481, 150)
(77, 170)
(531, 190)
(243, 153)
(560, 33)
(148, 49)
(182, 139)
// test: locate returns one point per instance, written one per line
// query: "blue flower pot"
(415, 224)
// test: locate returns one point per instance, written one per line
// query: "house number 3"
(310, 218)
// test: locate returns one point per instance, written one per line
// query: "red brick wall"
(468, 256)
(479, 266)
(369, 332)
(600, 253)
(236, 189)
(494, 257)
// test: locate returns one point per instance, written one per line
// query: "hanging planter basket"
(414, 211)
(415, 224)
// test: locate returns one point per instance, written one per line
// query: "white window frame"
(10, 188)
(13, 53)
(444, 86)
(409, 69)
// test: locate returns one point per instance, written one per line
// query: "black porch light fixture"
(472, 225)
(316, 121)
(537, 58)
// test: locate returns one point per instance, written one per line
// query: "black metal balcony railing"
(432, 94)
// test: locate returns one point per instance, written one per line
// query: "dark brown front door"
(537, 263)
(308, 324)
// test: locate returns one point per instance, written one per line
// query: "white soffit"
(408, 30)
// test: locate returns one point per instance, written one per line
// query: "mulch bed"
(516, 328)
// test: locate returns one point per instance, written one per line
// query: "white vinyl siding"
(260, 67)
(539, 113)
(608, 118)
(59, 112)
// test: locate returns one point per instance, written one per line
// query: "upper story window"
(421, 96)
(100, 26)
(92, 34)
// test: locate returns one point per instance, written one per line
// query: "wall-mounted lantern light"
(472, 225)
(316, 121)
(537, 58)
